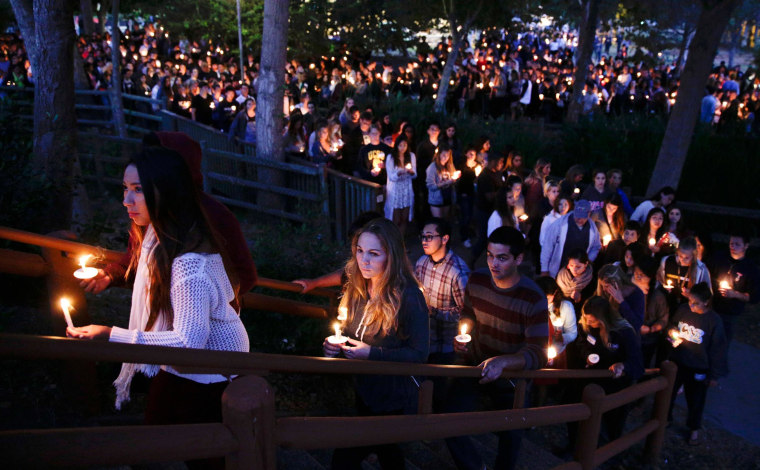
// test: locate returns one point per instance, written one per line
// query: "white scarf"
(138, 318)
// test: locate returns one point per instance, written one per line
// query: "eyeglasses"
(427, 238)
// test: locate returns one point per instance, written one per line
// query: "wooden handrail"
(230, 363)
(316, 433)
(58, 244)
(115, 445)
(69, 246)
(630, 394)
(624, 442)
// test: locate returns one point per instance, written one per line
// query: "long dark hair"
(618, 218)
(174, 208)
(396, 154)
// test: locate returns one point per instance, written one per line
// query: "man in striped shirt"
(508, 316)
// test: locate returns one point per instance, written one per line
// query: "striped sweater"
(507, 321)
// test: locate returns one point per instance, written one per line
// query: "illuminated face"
(591, 320)
(374, 135)
(628, 258)
(615, 180)
(547, 170)
(552, 193)
(432, 241)
(501, 262)
(655, 222)
(599, 180)
(516, 190)
(134, 199)
(641, 280)
(471, 155)
(576, 268)
(674, 216)
(564, 206)
(444, 156)
(511, 199)
(685, 257)
(610, 210)
(630, 236)
(737, 247)
(370, 256)
(402, 147)
(696, 305)
(517, 161)
(450, 131)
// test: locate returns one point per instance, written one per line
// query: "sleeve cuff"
(120, 335)
(375, 354)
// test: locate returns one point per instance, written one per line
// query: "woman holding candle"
(504, 215)
(182, 290)
(656, 314)
(575, 279)
(615, 346)
(680, 272)
(653, 232)
(563, 324)
(401, 170)
(387, 321)
(440, 177)
(611, 224)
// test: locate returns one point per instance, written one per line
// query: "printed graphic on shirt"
(376, 157)
(690, 333)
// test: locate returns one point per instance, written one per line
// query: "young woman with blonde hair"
(387, 321)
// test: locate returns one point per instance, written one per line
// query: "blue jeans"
(462, 397)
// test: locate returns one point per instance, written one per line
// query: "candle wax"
(465, 338)
(86, 273)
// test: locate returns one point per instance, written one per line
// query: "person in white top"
(662, 198)
(182, 291)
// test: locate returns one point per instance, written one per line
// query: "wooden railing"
(250, 432)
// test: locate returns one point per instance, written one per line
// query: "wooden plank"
(115, 445)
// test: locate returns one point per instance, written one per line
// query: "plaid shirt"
(444, 283)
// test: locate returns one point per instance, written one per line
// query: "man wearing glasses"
(443, 276)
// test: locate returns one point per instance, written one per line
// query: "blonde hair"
(380, 311)
(610, 319)
(608, 273)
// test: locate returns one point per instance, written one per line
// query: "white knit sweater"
(203, 317)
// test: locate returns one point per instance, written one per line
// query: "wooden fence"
(250, 433)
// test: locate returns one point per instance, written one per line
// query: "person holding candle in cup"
(401, 169)
(562, 321)
(736, 279)
(182, 290)
(700, 350)
(440, 176)
(679, 272)
(508, 317)
(606, 341)
(387, 320)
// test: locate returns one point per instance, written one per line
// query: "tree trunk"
(86, 25)
(54, 115)
(675, 144)
(23, 9)
(270, 95)
(117, 105)
(685, 40)
(443, 86)
(586, 35)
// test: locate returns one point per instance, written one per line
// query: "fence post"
(521, 387)
(425, 398)
(248, 411)
(204, 166)
(660, 412)
(588, 431)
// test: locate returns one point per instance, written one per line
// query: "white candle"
(337, 338)
(551, 353)
(669, 284)
(66, 306)
(606, 239)
(456, 175)
(724, 284)
(463, 337)
(593, 359)
(85, 272)
(478, 170)
(523, 217)
(342, 313)
(652, 242)
(408, 166)
(576, 191)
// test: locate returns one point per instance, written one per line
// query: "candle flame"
(463, 329)
(724, 284)
(83, 260)
(551, 353)
(652, 241)
(606, 239)
(336, 327)
(478, 170)
(342, 313)
(65, 304)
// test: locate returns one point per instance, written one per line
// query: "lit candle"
(669, 284)
(675, 338)
(576, 191)
(85, 272)
(342, 313)
(523, 217)
(652, 242)
(478, 170)
(551, 353)
(66, 306)
(456, 175)
(541, 96)
(408, 166)
(463, 337)
(606, 239)
(592, 359)
(724, 284)
(337, 338)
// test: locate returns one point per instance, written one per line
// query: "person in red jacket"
(223, 221)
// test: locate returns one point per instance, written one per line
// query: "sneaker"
(467, 243)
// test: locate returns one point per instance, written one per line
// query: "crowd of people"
(517, 74)
(616, 287)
